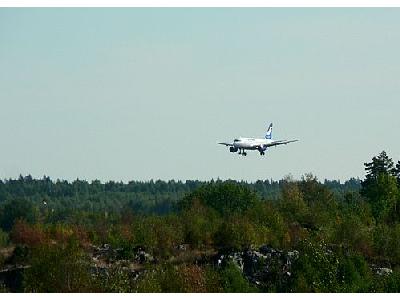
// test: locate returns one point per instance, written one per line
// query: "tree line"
(60, 200)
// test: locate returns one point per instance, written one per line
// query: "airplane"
(260, 144)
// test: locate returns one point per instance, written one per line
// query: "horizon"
(271, 180)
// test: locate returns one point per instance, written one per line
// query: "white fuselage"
(251, 143)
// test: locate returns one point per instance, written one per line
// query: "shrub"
(225, 197)
(234, 282)
(58, 268)
(3, 238)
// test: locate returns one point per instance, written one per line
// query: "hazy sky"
(139, 94)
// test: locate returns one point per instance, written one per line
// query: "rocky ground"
(257, 265)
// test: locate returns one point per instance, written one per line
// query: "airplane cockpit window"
(236, 140)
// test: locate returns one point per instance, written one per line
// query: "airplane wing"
(283, 142)
(226, 144)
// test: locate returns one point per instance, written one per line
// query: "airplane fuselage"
(251, 143)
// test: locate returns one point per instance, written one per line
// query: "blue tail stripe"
(269, 132)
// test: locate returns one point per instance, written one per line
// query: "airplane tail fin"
(268, 135)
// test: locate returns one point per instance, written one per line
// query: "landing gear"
(262, 153)
(241, 152)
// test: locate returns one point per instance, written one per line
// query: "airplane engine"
(233, 149)
(262, 149)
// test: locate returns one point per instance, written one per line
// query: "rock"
(263, 266)
(143, 257)
(182, 247)
(383, 271)
(265, 249)
(220, 260)
(293, 255)
(237, 259)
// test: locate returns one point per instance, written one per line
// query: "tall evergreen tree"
(396, 172)
(380, 188)
(380, 164)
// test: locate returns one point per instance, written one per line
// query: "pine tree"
(396, 172)
(380, 187)
(380, 164)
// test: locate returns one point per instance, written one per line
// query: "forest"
(217, 236)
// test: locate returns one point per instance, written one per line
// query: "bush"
(17, 209)
(234, 282)
(115, 280)
(3, 238)
(159, 235)
(58, 268)
(225, 197)
(27, 234)
(237, 233)
(386, 284)
(315, 270)
(163, 279)
(270, 225)
(387, 242)
(354, 274)
(351, 233)
(200, 224)
(213, 280)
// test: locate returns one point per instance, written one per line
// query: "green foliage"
(382, 194)
(200, 224)
(58, 268)
(350, 233)
(234, 282)
(159, 235)
(237, 234)
(56, 224)
(164, 279)
(320, 269)
(17, 209)
(396, 172)
(191, 278)
(355, 204)
(387, 242)
(3, 238)
(321, 202)
(82, 202)
(354, 274)
(213, 280)
(292, 204)
(149, 282)
(315, 192)
(115, 280)
(380, 164)
(380, 188)
(315, 270)
(225, 197)
(269, 223)
(387, 283)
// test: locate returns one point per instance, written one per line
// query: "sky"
(138, 94)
